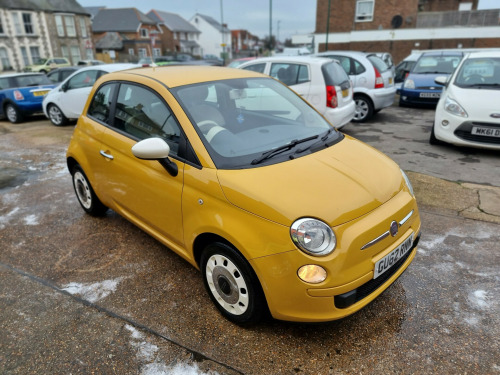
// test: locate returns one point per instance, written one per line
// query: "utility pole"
(223, 44)
(328, 24)
(271, 24)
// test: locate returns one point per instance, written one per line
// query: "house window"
(65, 52)
(17, 24)
(26, 59)
(364, 10)
(142, 52)
(1, 26)
(35, 54)
(75, 54)
(83, 27)
(70, 25)
(59, 25)
(28, 25)
(175, 36)
(4, 59)
(144, 33)
(465, 7)
(131, 51)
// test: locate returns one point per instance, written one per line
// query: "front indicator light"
(313, 236)
(312, 274)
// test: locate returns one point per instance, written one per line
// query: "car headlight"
(454, 108)
(408, 183)
(313, 236)
(409, 84)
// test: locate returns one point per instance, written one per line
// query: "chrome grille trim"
(384, 235)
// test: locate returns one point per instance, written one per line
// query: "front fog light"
(313, 236)
(312, 274)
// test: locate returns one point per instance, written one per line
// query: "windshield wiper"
(276, 151)
(323, 138)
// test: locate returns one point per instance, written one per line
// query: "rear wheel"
(56, 116)
(232, 284)
(364, 108)
(13, 113)
(85, 194)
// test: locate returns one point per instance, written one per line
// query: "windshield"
(239, 120)
(436, 64)
(479, 73)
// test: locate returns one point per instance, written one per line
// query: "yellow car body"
(356, 190)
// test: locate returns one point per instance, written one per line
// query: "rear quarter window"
(259, 68)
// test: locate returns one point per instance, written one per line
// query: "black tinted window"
(143, 114)
(101, 103)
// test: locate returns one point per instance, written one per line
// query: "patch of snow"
(135, 333)
(479, 299)
(31, 220)
(93, 292)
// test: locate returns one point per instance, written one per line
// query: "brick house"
(125, 34)
(177, 34)
(399, 27)
(243, 43)
(31, 29)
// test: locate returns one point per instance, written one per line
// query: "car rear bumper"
(383, 97)
(341, 116)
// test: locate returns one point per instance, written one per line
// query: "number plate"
(486, 132)
(390, 80)
(40, 93)
(345, 93)
(430, 94)
(390, 259)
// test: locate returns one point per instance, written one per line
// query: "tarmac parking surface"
(86, 295)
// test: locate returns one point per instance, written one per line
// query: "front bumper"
(350, 284)
(422, 97)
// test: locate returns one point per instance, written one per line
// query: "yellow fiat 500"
(238, 175)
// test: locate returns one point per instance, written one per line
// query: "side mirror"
(441, 80)
(155, 149)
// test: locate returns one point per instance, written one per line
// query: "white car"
(468, 112)
(66, 101)
(320, 81)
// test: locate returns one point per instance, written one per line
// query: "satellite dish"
(397, 21)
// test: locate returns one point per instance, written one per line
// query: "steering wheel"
(206, 125)
(474, 78)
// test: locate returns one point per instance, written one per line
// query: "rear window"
(259, 68)
(31, 80)
(378, 63)
(334, 74)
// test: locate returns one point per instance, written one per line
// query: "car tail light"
(379, 81)
(18, 95)
(331, 97)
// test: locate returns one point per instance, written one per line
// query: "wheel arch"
(204, 239)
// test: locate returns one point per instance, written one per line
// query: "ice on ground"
(31, 220)
(95, 291)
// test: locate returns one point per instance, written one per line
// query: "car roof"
(303, 59)
(181, 75)
(483, 54)
(443, 53)
(8, 75)
(342, 52)
(108, 67)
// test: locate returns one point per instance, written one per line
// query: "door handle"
(108, 156)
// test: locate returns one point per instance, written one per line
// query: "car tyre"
(232, 284)
(85, 194)
(364, 108)
(43, 71)
(433, 140)
(56, 116)
(13, 113)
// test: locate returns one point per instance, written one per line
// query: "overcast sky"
(294, 16)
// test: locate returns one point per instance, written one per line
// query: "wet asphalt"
(84, 295)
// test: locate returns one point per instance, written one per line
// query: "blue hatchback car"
(21, 94)
(419, 87)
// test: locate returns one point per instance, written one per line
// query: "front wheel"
(232, 284)
(364, 108)
(85, 194)
(433, 140)
(13, 114)
(56, 116)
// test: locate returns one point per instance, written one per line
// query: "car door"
(140, 190)
(76, 91)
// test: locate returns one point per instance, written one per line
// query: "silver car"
(373, 81)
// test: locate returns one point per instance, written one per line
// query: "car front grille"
(464, 132)
(350, 298)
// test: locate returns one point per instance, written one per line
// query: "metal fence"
(489, 17)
